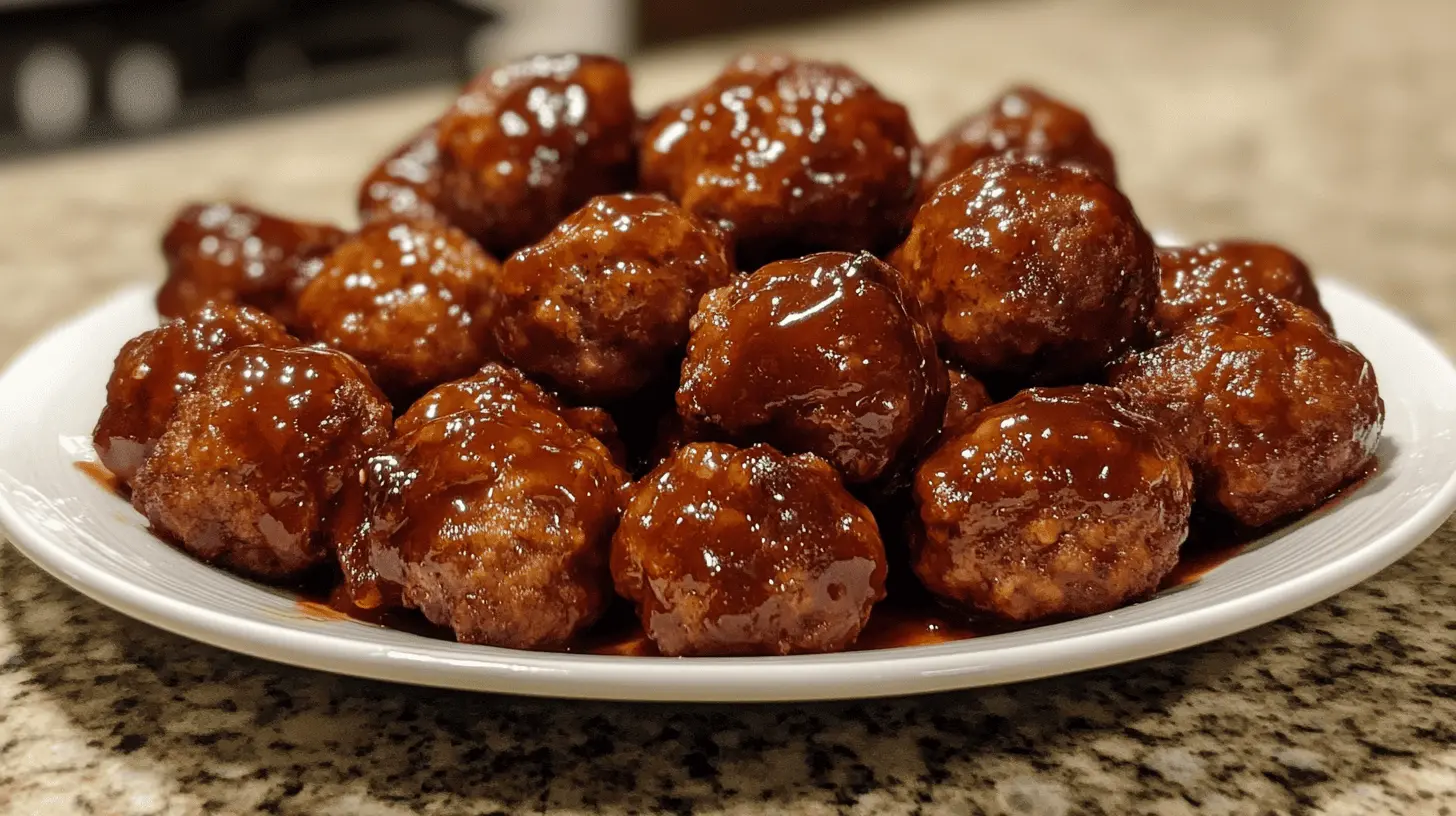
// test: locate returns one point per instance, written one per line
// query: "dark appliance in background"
(98, 68)
(77, 71)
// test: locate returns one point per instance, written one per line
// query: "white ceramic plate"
(94, 541)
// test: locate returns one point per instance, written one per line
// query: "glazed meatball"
(1058, 502)
(1031, 272)
(1207, 278)
(1273, 411)
(788, 156)
(730, 551)
(401, 298)
(252, 461)
(965, 396)
(826, 354)
(492, 391)
(603, 302)
(237, 254)
(494, 523)
(157, 367)
(1023, 121)
(406, 185)
(495, 388)
(533, 140)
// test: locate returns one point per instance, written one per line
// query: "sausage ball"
(401, 298)
(496, 524)
(495, 388)
(600, 305)
(252, 461)
(237, 254)
(1031, 271)
(1021, 121)
(826, 354)
(747, 551)
(406, 185)
(1058, 502)
(531, 141)
(788, 156)
(965, 396)
(1207, 278)
(1273, 411)
(157, 367)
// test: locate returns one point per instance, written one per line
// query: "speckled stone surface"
(1329, 126)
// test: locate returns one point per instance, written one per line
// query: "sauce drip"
(108, 481)
(328, 600)
(909, 616)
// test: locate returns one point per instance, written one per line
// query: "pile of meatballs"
(737, 361)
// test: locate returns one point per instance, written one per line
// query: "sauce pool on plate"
(909, 617)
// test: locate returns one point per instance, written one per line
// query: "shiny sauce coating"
(1030, 271)
(788, 156)
(493, 523)
(248, 470)
(1022, 121)
(602, 303)
(747, 551)
(1273, 411)
(498, 388)
(1058, 502)
(157, 367)
(401, 297)
(1207, 278)
(532, 140)
(406, 184)
(826, 354)
(903, 619)
(965, 396)
(910, 617)
(239, 254)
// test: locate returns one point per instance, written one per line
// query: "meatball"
(236, 254)
(495, 523)
(965, 396)
(252, 461)
(603, 302)
(496, 387)
(1021, 121)
(734, 551)
(826, 354)
(1031, 271)
(406, 185)
(533, 140)
(1206, 278)
(157, 367)
(789, 156)
(1058, 502)
(401, 297)
(1273, 411)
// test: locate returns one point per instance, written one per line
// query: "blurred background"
(1325, 125)
(85, 70)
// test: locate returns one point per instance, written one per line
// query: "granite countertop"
(1326, 125)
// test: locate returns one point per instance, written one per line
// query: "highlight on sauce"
(909, 617)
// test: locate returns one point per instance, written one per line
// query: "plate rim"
(895, 672)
